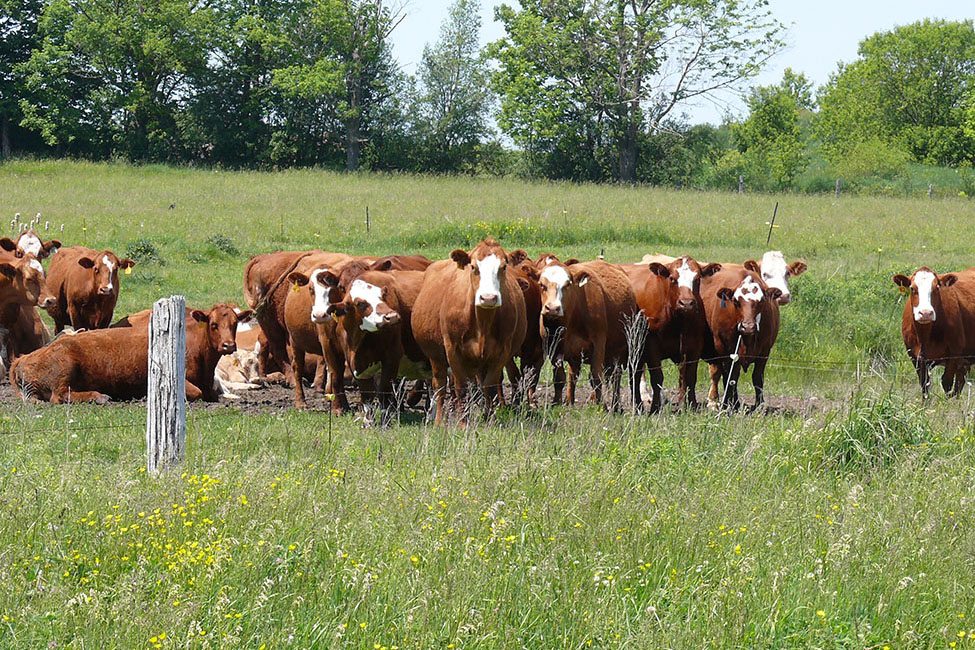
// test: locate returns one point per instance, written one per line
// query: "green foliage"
(143, 250)
(223, 244)
(909, 88)
(871, 158)
(580, 81)
(874, 433)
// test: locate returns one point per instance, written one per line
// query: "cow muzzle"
(319, 317)
(785, 299)
(747, 327)
(488, 300)
(228, 348)
(392, 318)
(925, 315)
(105, 291)
(554, 311)
(686, 306)
(47, 302)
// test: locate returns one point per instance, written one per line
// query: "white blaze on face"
(362, 290)
(34, 264)
(749, 290)
(559, 277)
(775, 273)
(111, 267)
(686, 275)
(319, 308)
(489, 284)
(924, 312)
(29, 243)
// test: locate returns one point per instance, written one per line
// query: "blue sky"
(820, 35)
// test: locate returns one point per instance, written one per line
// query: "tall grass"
(844, 526)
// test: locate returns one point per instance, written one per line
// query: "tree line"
(587, 90)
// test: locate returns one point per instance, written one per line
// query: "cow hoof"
(102, 400)
(301, 405)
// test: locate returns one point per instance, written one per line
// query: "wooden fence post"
(837, 194)
(166, 398)
(741, 184)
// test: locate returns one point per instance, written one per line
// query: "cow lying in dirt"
(99, 365)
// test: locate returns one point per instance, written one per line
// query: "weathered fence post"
(930, 189)
(741, 184)
(166, 399)
(837, 188)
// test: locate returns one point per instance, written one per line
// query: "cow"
(85, 285)
(265, 292)
(743, 317)
(22, 290)
(586, 305)
(938, 325)
(469, 317)
(669, 296)
(374, 312)
(524, 380)
(99, 365)
(29, 243)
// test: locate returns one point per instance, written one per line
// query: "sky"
(819, 35)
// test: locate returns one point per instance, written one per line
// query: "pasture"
(845, 518)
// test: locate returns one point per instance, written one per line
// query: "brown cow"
(99, 365)
(743, 316)
(670, 298)
(587, 304)
(524, 380)
(470, 317)
(938, 325)
(374, 314)
(22, 289)
(266, 289)
(29, 243)
(85, 285)
(313, 332)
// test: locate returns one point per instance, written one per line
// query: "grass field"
(849, 523)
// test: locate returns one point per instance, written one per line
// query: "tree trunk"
(352, 144)
(4, 137)
(628, 149)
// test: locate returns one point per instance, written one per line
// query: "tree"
(908, 88)
(455, 94)
(18, 34)
(597, 73)
(343, 61)
(112, 73)
(771, 145)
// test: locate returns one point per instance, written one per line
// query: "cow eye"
(914, 290)
(213, 326)
(361, 304)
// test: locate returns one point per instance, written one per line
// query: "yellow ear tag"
(901, 290)
(202, 325)
(295, 287)
(334, 316)
(128, 270)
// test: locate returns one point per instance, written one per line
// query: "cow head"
(319, 282)
(685, 276)
(27, 284)
(925, 287)
(776, 273)
(560, 287)
(221, 326)
(104, 268)
(29, 243)
(485, 265)
(747, 298)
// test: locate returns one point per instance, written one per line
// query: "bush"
(870, 158)
(223, 244)
(874, 432)
(143, 250)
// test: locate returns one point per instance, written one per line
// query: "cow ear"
(581, 278)
(752, 266)
(126, 263)
(200, 316)
(797, 268)
(329, 279)
(726, 294)
(571, 261)
(517, 257)
(244, 316)
(86, 262)
(710, 270)
(8, 244)
(773, 293)
(902, 281)
(947, 279)
(382, 265)
(52, 246)
(659, 269)
(298, 278)
(461, 257)
(8, 270)
(336, 309)
(524, 284)
(530, 271)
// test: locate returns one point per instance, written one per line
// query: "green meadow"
(844, 519)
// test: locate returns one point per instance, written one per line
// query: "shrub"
(223, 244)
(870, 158)
(143, 250)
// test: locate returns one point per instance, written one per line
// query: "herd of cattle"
(449, 325)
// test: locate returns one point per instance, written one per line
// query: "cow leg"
(192, 392)
(688, 381)
(439, 368)
(923, 376)
(76, 316)
(758, 381)
(321, 378)
(715, 372)
(515, 378)
(960, 376)
(575, 366)
(731, 386)
(656, 385)
(596, 364)
(298, 371)
(416, 393)
(77, 396)
(948, 378)
(334, 360)
(558, 381)
(491, 380)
